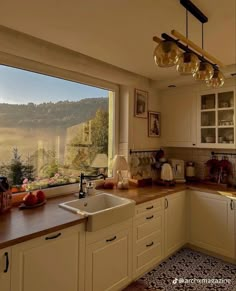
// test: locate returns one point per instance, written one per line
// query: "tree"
(16, 170)
(99, 130)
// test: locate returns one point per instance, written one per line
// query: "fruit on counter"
(40, 195)
(30, 199)
(108, 185)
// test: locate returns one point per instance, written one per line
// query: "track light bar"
(185, 40)
(194, 10)
(182, 47)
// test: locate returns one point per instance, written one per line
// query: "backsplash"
(199, 157)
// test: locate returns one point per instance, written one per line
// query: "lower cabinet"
(5, 269)
(148, 234)
(212, 223)
(109, 258)
(51, 262)
(175, 222)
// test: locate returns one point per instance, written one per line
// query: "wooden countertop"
(20, 225)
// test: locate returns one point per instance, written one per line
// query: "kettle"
(166, 172)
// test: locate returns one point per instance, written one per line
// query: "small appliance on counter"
(178, 170)
(167, 178)
(190, 172)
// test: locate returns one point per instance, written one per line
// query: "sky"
(21, 87)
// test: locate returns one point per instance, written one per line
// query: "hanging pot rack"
(143, 151)
(223, 154)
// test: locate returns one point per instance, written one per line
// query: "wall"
(199, 157)
(23, 51)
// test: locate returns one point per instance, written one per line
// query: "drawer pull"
(149, 245)
(166, 203)
(150, 207)
(53, 236)
(111, 239)
(7, 262)
(232, 204)
(149, 217)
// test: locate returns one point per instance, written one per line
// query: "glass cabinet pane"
(208, 135)
(208, 101)
(225, 117)
(208, 118)
(226, 135)
(226, 99)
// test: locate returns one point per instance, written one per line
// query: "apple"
(30, 199)
(108, 185)
(40, 195)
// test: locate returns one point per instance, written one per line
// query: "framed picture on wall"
(140, 103)
(154, 124)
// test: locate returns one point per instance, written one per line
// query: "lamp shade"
(205, 72)
(166, 54)
(119, 164)
(217, 80)
(100, 161)
(188, 63)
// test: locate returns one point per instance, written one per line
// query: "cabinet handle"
(150, 207)
(149, 217)
(111, 239)
(231, 204)
(7, 262)
(166, 203)
(53, 236)
(194, 144)
(149, 245)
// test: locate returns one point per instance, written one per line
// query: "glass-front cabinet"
(217, 119)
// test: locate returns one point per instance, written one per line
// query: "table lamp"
(100, 162)
(120, 164)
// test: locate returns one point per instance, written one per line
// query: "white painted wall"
(23, 51)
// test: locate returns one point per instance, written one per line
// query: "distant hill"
(62, 114)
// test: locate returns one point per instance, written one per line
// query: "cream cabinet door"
(175, 222)
(48, 263)
(5, 266)
(108, 262)
(179, 124)
(212, 223)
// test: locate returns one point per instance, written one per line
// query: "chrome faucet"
(82, 176)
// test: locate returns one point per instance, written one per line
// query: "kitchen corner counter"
(144, 194)
(17, 225)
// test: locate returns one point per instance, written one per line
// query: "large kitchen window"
(52, 129)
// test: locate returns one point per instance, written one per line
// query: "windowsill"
(55, 191)
(49, 192)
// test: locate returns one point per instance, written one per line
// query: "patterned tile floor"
(177, 272)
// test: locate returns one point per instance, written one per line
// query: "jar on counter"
(190, 170)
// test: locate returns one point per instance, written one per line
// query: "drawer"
(146, 224)
(147, 242)
(157, 204)
(148, 250)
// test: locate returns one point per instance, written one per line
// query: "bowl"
(210, 139)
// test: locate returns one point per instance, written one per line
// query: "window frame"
(65, 74)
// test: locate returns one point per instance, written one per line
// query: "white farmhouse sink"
(102, 210)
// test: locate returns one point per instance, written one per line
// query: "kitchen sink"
(102, 209)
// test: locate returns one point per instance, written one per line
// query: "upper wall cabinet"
(179, 123)
(216, 121)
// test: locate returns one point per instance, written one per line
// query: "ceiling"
(120, 32)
